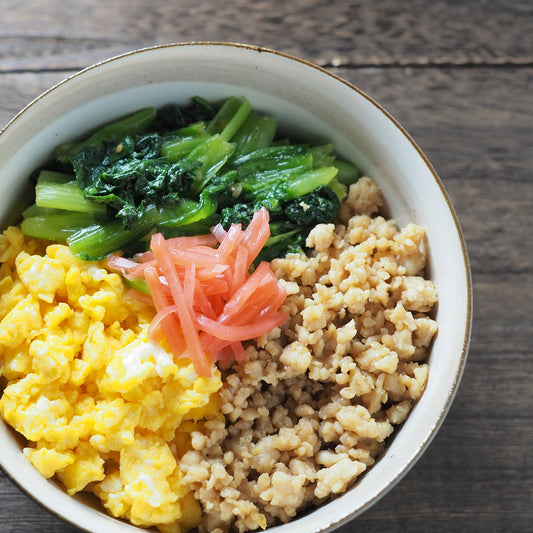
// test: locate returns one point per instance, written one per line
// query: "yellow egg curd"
(102, 408)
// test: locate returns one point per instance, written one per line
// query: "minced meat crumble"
(311, 408)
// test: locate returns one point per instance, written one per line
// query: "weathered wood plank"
(20, 514)
(36, 35)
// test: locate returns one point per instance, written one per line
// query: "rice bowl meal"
(208, 324)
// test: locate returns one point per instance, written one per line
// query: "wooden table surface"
(458, 75)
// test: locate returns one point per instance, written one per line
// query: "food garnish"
(207, 303)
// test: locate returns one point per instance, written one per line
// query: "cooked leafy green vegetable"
(180, 170)
(132, 175)
(67, 196)
(312, 208)
(98, 240)
(133, 124)
(56, 226)
(172, 117)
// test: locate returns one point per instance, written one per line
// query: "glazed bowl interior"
(310, 104)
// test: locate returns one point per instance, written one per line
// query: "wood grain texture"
(70, 33)
(457, 76)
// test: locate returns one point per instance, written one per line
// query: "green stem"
(212, 154)
(256, 132)
(179, 148)
(348, 172)
(67, 196)
(307, 182)
(97, 241)
(230, 117)
(55, 227)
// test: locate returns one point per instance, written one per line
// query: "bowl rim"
(431, 433)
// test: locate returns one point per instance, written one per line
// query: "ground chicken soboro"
(310, 409)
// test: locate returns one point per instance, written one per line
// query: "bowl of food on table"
(234, 295)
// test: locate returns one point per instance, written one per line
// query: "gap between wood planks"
(336, 64)
(423, 64)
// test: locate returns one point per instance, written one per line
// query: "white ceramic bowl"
(310, 103)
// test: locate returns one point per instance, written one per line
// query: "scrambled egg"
(102, 408)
